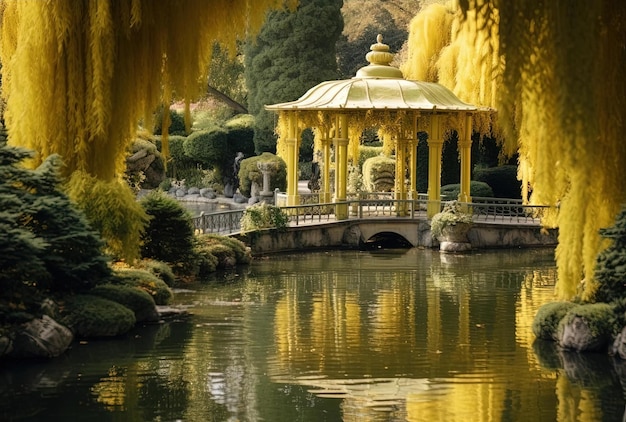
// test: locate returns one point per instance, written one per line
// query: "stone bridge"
(358, 233)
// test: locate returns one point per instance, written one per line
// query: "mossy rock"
(207, 262)
(155, 287)
(135, 299)
(160, 269)
(586, 328)
(379, 173)
(90, 316)
(548, 317)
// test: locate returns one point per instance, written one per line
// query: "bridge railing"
(482, 209)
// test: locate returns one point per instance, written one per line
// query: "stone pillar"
(435, 145)
(264, 167)
(293, 147)
(341, 165)
(465, 150)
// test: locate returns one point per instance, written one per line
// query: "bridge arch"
(399, 230)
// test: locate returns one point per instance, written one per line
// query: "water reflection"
(336, 336)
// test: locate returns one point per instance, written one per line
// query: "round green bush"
(160, 269)
(155, 287)
(547, 319)
(240, 133)
(478, 189)
(92, 316)
(135, 299)
(209, 147)
(207, 262)
(176, 126)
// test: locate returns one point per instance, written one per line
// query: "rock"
(170, 313)
(41, 338)
(240, 199)
(193, 191)
(6, 346)
(207, 193)
(618, 348)
(180, 193)
(455, 247)
(253, 200)
(577, 335)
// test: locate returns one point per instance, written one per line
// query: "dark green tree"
(46, 243)
(293, 52)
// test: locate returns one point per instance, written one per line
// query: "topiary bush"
(176, 126)
(379, 174)
(503, 180)
(368, 151)
(240, 135)
(146, 281)
(249, 172)
(210, 148)
(169, 236)
(92, 316)
(479, 189)
(546, 321)
(135, 299)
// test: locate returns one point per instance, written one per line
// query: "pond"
(388, 335)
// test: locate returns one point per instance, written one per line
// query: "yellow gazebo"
(378, 96)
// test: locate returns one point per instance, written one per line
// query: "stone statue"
(232, 182)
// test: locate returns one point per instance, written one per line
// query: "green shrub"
(135, 299)
(93, 316)
(209, 147)
(169, 236)
(240, 134)
(503, 181)
(548, 317)
(262, 216)
(146, 281)
(207, 262)
(479, 189)
(249, 172)
(159, 268)
(225, 255)
(242, 252)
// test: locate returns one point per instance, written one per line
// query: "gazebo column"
(326, 192)
(435, 145)
(293, 147)
(341, 165)
(413, 168)
(465, 146)
(400, 187)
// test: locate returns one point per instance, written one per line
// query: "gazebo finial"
(379, 59)
(379, 53)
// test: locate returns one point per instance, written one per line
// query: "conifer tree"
(293, 52)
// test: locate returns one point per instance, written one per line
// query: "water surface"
(410, 335)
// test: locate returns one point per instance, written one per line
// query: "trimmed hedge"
(480, 189)
(503, 181)
(249, 172)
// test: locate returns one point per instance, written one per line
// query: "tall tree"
(78, 76)
(556, 73)
(293, 52)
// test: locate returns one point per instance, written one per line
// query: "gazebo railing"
(381, 205)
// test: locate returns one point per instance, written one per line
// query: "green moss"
(159, 268)
(135, 299)
(242, 252)
(93, 316)
(155, 287)
(547, 319)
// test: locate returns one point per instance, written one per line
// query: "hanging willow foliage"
(555, 71)
(78, 76)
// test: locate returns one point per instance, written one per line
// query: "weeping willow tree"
(555, 72)
(78, 76)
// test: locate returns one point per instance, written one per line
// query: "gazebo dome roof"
(377, 86)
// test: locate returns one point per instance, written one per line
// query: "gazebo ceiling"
(377, 86)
